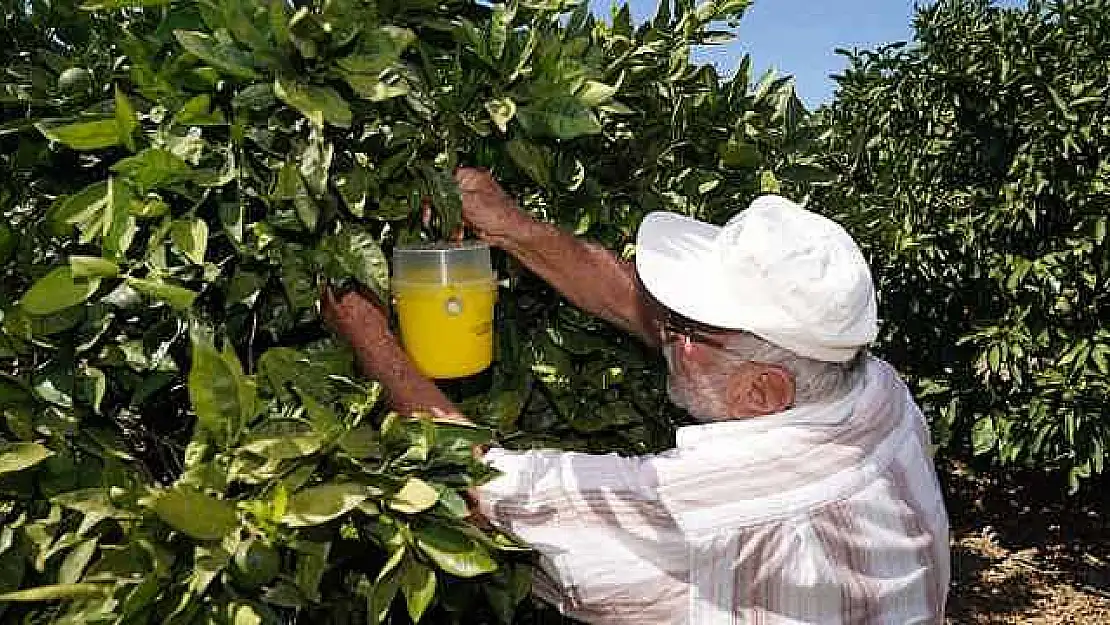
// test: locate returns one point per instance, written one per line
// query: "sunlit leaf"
(454, 551)
(415, 496)
(418, 584)
(317, 103)
(320, 504)
(177, 297)
(89, 135)
(16, 457)
(196, 514)
(58, 290)
(223, 55)
(59, 592)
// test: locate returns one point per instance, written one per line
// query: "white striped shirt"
(820, 514)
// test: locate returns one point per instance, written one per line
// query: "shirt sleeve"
(597, 522)
(539, 480)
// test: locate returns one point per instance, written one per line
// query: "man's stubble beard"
(701, 398)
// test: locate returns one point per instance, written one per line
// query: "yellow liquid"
(447, 329)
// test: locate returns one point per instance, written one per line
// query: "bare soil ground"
(1023, 552)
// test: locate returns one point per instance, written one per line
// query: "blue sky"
(798, 37)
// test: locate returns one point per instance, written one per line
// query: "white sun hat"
(776, 270)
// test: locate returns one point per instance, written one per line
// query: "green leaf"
(356, 253)
(93, 385)
(198, 112)
(208, 562)
(318, 104)
(291, 186)
(245, 614)
(446, 200)
(312, 562)
(15, 457)
(59, 592)
(194, 513)
(375, 89)
(768, 183)
(983, 437)
(740, 155)
(73, 567)
(99, 5)
(153, 168)
(563, 117)
(453, 551)
(297, 279)
(84, 136)
(415, 496)
(190, 237)
(360, 442)
(223, 55)
(54, 384)
(418, 583)
(314, 163)
(119, 229)
(57, 291)
(223, 398)
(258, 97)
(126, 120)
(94, 504)
(534, 160)
(92, 266)
(355, 187)
(84, 209)
(178, 298)
(501, 23)
(244, 288)
(286, 447)
(594, 93)
(382, 49)
(381, 596)
(320, 504)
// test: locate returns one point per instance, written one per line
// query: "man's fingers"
(426, 211)
(473, 178)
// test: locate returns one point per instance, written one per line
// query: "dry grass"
(1023, 553)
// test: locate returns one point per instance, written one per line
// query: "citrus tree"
(182, 440)
(973, 165)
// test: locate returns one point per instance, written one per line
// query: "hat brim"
(678, 263)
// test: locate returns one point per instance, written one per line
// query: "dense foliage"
(182, 441)
(974, 166)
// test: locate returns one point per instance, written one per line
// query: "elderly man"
(806, 493)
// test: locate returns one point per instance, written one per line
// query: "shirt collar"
(826, 414)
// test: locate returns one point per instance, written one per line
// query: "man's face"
(710, 385)
(698, 373)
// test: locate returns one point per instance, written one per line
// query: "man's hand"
(355, 316)
(486, 207)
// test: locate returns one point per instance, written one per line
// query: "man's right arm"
(587, 274)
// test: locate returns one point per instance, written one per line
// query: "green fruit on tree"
(75, 80)
(256, 563)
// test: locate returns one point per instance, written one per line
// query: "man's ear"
(761, 389)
